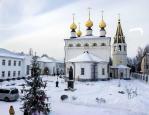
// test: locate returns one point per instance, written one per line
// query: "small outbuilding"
(120, 71)
(89, 67)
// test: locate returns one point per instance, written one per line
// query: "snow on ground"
(86, 94)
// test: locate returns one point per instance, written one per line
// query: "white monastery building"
(89, 55)
(50, 66)
(18, 65)
(13, 65)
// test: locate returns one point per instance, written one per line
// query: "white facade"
(88, 67)
(119, 54)
(98, 46)
(94, 44)
(50, 66)
(145, 64)
(13, 65)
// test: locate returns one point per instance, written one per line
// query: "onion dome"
(79, 33)
(89, 23)
(73, 26)
(102, 24)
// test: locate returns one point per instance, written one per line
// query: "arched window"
(86, 45)
(103, 44)
(94, 44)
(70, 45)
(120, 48)
(78, 45)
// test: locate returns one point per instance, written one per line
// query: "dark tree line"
(135, 63)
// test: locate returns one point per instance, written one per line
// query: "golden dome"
(102, 24)
(89, 23)
(73, 26)
(79, 33)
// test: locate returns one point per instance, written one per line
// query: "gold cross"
(73, 17)
(119, 16)
(89, 9)
(102, 14)
(79, 25)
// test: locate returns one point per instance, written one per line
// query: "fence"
(143, 77)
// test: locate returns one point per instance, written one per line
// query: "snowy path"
(86, 93)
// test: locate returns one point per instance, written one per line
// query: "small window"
(120, 48)
(19, 63)
(82, 71)
(94, 44)
(70, 45)
(27, 69)
(3, 73)
(3, 62)
(78, 45)
(14, 73)
(19, 73)
(9, 74)
(103, 44)
(9, 62)
(86, 45)
(124, 48)
(14, 63)
(103, 71)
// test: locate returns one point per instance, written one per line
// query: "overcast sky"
(44, 24)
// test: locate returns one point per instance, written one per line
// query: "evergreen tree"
(35, 99)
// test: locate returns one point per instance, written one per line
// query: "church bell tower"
(119, 47)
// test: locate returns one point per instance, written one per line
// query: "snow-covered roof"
(48, 59)
(7, 53)
(86, 57)
(82, 37)
(88, 37)
(120, 67)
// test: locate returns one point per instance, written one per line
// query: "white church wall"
(74, 50)
(27, 62)
(100, 73)
(87, 71)
(119, 56)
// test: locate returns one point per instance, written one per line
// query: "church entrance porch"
(120, 72)
(94, 72)
(46, 71)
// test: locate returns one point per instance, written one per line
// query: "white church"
(89, 55)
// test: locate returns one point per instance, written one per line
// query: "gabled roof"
(120, 67)
(7, 53)
(86, 57)
(48, 59)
